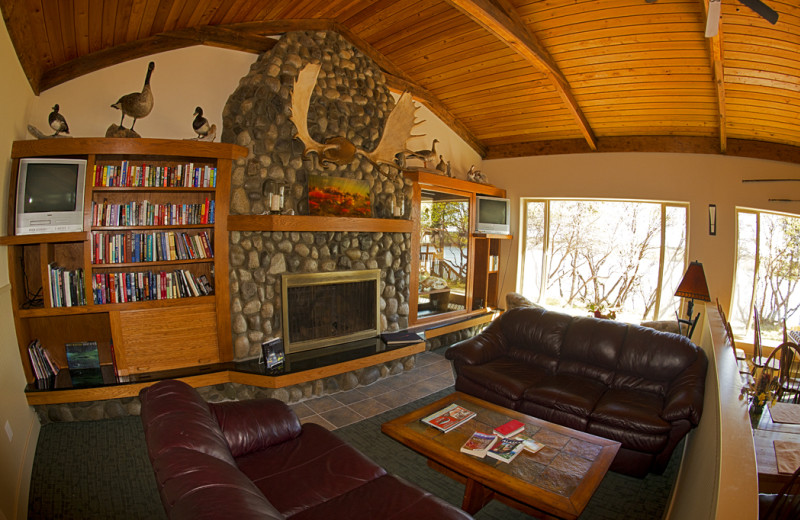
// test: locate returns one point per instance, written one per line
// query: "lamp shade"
(694, 283)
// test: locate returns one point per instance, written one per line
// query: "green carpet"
(100, 470)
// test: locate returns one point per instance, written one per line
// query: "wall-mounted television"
(493, 215)
(50, 195)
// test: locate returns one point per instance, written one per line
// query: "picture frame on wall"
(338, 197)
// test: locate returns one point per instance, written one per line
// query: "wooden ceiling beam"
(228, 37)
(749, 148)
(715, 55)
(509, 28)
(31, 57)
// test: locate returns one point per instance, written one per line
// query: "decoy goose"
(200, 123)
(426, 155)
(57, 121)
(137, 104)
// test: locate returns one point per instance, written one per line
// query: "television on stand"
(50, 195)
(493, 215)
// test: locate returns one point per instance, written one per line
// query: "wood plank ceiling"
(512, 77)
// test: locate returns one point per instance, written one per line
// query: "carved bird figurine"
(200, 123)
(426, 155)
(442, 166)
(57, 121)
(137, 104)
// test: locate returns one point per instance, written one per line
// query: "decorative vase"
(755, 414)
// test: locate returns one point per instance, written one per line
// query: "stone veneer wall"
(350, 100)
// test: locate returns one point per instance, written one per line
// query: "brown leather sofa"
(628, 383)
(253, 459)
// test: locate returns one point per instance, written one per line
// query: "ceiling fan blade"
(765, 11)
(712, 20)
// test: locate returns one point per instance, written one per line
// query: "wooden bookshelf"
(147, 335)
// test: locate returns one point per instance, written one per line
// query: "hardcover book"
(479, 444)
(509, 429)
(505, 449)
(448, 418)
(83, 360)
(401, 337)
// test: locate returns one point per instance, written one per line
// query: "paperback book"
(528, 444)
(272, 353)
(83, 360)
(449, 418)
(478, 444)
(505, 450)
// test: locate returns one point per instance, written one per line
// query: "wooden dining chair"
(787, 357)
(783, 506)
(758, 353)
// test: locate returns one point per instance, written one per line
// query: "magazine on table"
(448, 418)
(478, 444)
(505, 449)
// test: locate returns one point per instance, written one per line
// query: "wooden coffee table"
(557, 481)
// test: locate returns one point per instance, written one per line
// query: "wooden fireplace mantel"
(313, 223)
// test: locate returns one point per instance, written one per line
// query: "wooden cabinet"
(130, 266)
(486, 282)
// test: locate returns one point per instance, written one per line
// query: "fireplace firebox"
(323, 309)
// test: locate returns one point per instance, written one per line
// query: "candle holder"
(273, 192)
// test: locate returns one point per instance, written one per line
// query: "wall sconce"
(712, 219)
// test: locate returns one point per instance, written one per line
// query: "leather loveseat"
(628, 383)
(253, 459)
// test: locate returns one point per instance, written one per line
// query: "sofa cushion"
(591, 349)
(313, 468)
(255, 424)
(568, 393)
(504, 376)
(385, 498)
(533, 335)
(630, 439)
(631, 410)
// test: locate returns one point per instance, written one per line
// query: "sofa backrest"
(616, 354)
(533, 335)
(255, 424)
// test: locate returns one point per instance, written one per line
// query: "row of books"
(41, 362)
(148, 286)
(151, 176)
(146, 213)
(66, 286)
(155, 246)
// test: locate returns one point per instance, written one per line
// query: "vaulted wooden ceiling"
(512, 77)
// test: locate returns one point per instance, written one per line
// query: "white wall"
(697, 179)
(16, 417)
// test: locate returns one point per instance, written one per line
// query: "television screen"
(493, 211)
(50, 187)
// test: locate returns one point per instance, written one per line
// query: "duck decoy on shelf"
(57, 121)
(200, 123)
(426, 155)
(137, 104)
(442, 166)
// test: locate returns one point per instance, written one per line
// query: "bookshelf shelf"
(147, 335)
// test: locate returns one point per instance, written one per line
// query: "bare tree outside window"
(586, 255)
(767, 274)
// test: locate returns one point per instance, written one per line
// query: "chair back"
(786, 504)
(785, 360)
(757, 354)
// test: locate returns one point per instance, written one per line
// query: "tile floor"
(432, 373)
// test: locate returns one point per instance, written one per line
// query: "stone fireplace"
(350, 100)
(321, 309)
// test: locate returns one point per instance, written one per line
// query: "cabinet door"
(164, 339)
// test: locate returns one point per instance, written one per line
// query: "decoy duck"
(57, 121)
(442, 166)
(426, 155)
(200, 123)
(137, 104)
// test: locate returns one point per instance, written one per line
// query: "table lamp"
(693, 286)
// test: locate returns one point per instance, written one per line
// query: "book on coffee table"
(529, 444)
(479, 444)
(449, 417)
(510, 428)
(505, 449)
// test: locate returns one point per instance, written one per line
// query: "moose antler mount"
(339, 150)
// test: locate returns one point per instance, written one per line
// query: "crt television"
(493, 215)
(50, 195)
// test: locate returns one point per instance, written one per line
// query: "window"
(767, 273)
(609, 256)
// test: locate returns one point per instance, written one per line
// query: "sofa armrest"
(685, 396)
(255, 424)
(479, 349)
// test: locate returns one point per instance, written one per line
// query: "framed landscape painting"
(338, 197)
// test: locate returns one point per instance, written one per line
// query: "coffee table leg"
(476, 495)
